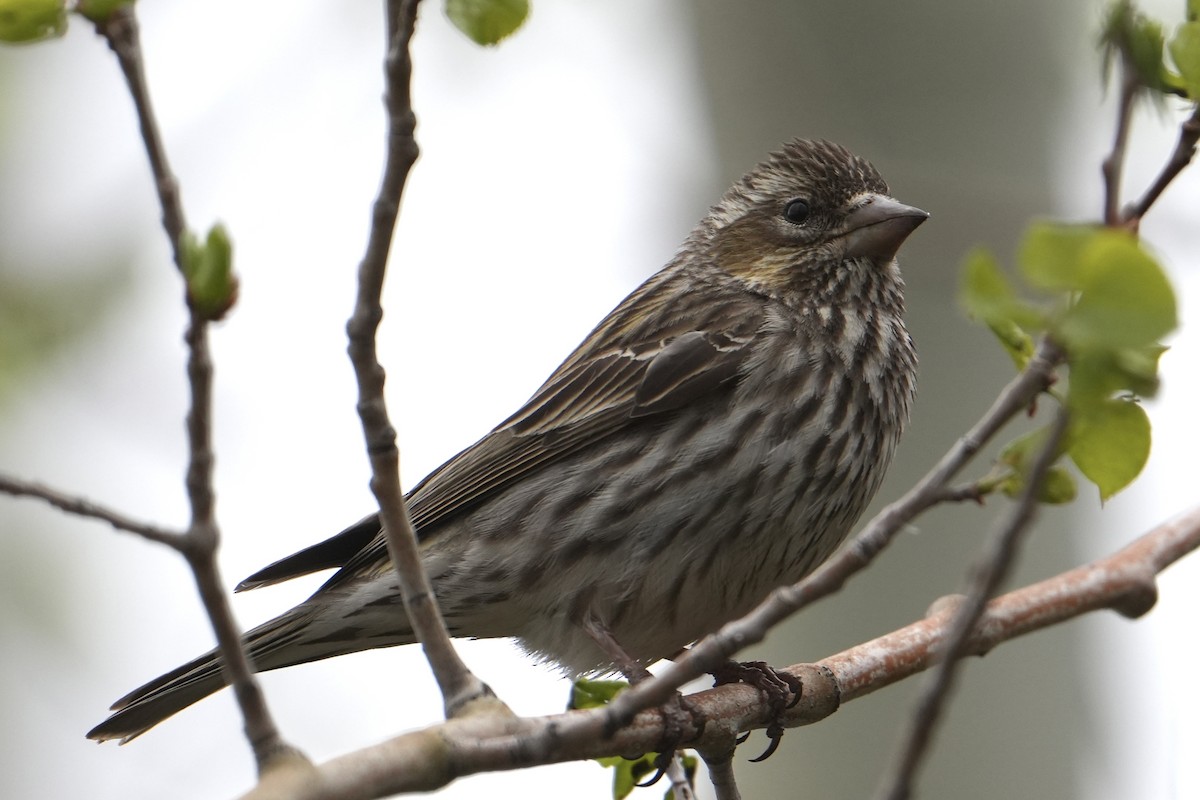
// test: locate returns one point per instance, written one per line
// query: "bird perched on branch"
(715, 437)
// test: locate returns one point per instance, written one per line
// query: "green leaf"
(1110, 443)
(208, 269)
(1126, 301)
(1095, 378)
(984, 291)
(1139, 368)
(1058, 487)
(1116, 21)
(1185, 52)
(1016, 342)
(1021, 452)
(1019, 456)
(1099, 374)
(1146, 52)
(1138, 41)
(1109, 438)
(26, 21)
(588, 693)
(1051, 255)
(986, 294)
(487, 22)
(1011, 484)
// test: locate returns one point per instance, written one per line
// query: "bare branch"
(120, 31)
(1185, 151)
(1114, 164)
(677, 775)
(83, 507)
(968, 492)
(428, 759)
(458, 685)
(721, 776)
(987, 575)
(1123, 582)
(200, 543)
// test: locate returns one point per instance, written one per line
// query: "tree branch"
(458, 685)
(676, 774)
(431, 758)
(199, 544)
(987, 575)
(82, 507)
(120, 31)
(720, 774)
(968, 492)
(1185, 151)
(1114, 164)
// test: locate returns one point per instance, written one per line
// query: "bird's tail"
(282, 642)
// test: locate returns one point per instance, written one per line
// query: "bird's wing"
(333, 552)
(579, 408)
(626, 372)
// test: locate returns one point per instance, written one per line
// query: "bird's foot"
(780, 689)
(679, 715)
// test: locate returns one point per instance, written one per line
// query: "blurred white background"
(557, 171)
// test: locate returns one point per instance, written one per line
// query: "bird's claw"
(661, 762)
(677, 714)
(781, 690)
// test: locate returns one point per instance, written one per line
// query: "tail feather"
(281, 642)
(148, 705)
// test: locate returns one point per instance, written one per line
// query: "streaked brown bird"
(715, 436)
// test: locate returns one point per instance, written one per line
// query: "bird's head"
(813, 223)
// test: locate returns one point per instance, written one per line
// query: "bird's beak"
(878, 227)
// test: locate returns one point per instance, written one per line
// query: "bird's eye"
(796, 211)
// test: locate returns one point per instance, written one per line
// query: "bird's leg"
(676, 713)
(633, 671)
(780, 689)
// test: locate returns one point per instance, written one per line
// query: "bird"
(716, 436)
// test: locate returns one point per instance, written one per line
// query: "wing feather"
(638, 363)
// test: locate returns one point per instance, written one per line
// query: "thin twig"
(199, 545)
(1114, 164)
(721, 776)
(83, 507)
(203, 539)
(431, 758)
(967, 492)
(1185, 151)
(854, 556)
(121, 33)
(457, 683)
(987, 575)
(681, 789)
